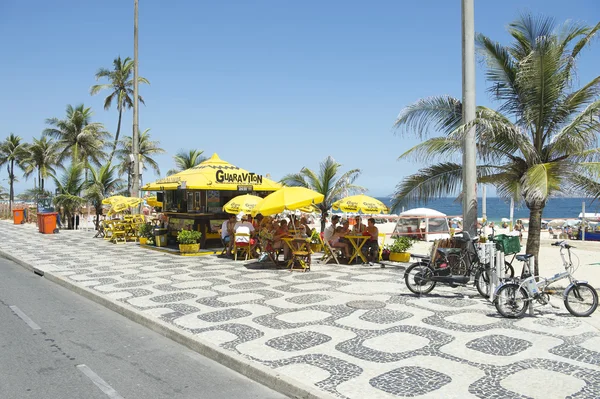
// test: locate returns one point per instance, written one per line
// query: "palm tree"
(326, 182)
(12, 153)
(539, 142)
(121, 90)
(69, 187)
(78, 137)
(186, 160)
(101, 183)
(147, 149)
(42, 157)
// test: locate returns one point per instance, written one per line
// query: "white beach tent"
(422, 223)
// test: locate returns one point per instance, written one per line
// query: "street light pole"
(468, 110)
(135, 187)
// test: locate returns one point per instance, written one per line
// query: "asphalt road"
(55, 344)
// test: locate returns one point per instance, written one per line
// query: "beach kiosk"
(194, 199)
(423, 224)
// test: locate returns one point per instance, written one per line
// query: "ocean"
(497, 208)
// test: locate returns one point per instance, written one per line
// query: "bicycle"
(510, 245)
(451, 266)
(513, 297)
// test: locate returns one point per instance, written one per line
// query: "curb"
(254, 371)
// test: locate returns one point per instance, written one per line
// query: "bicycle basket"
(507, 244)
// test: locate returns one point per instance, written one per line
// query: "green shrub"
(314, 237)
(145, 230)
(188, 237)
(401, 244)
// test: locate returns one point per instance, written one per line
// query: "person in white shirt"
(227, 230)
(244, 226)
(330, 230)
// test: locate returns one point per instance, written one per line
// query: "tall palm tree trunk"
(116, 136)
(533, 235)
(323, 220)
(11, 178)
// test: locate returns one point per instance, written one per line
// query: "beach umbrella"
(556, 222)
(360, 203)
(125, 203)
(287, 198)
(113, 199)
(153, 202)
(505, 220)
(242, 203)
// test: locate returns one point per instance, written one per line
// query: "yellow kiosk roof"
(214, 174)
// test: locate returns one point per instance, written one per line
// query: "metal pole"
(468, 104)
(512, 213)
(135, 186)
(483, 204)
(583, 221)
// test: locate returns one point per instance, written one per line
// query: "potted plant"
(399, 247)
(188, 241)
(144, 233)
(315, 241)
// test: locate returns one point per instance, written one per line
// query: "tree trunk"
(116, 136)
(98, 213)
(11, 180)
(42, 185)
(129, 173)
(533, 235)
(323, 220)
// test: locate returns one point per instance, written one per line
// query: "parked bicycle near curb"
(513, 297)
(451, 266)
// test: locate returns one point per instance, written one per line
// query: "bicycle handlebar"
(562, 244)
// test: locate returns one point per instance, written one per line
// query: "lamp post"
(468, 114)
(135, 186)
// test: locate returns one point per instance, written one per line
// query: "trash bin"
(47, 222)
(18, 216)
(160, 237)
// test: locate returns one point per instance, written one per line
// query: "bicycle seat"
(524, 257)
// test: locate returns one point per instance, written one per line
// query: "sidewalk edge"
(253, 370)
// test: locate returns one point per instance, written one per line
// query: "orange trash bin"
(18, 216)
(47, 222)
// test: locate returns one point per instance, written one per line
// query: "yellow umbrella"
(114, 198)
(360, 203)
(287, 198)
(153, 202)
(241, 203)
(214, 174)
(126, 203)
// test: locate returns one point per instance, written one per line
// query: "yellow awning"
(214, 174)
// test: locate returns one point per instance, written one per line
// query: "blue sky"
(271, 86)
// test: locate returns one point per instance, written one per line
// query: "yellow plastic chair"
(108, 229)
(381, 242)
(119, 235)
(243, 247)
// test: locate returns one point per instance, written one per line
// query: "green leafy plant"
(150, 241)
(314, 237)
(188, 237)
(400, 244)
(145, 230)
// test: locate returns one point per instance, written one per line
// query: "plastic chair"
(119, 234)
(242, 246)
(382, 241)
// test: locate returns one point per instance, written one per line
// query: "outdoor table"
(357, 243)
(300, 248)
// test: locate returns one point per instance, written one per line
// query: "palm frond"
(440, 114)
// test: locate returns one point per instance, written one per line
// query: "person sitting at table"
(330, 230)
(227, 231)
(245, 227)
(281, 232)
(306, 230)
(336, 242)
(359, 226)
(372, 245)
(346, 227)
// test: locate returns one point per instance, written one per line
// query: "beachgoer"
(372, 245)
(359, 226)
(227, 231)
(336, 242)
(330, 230)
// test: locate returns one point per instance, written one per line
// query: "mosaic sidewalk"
(352, 331)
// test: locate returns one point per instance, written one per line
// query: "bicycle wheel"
(509, 271)
(418, 278)
(511, 301)
(482, 281)
(581, 299)
(457, 265)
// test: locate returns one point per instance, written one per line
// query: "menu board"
(213, 201)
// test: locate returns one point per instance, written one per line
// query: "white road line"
(99, 382)
(25, 318)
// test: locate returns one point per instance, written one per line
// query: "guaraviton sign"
(237, 178)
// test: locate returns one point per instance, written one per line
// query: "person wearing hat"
(330, 230)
